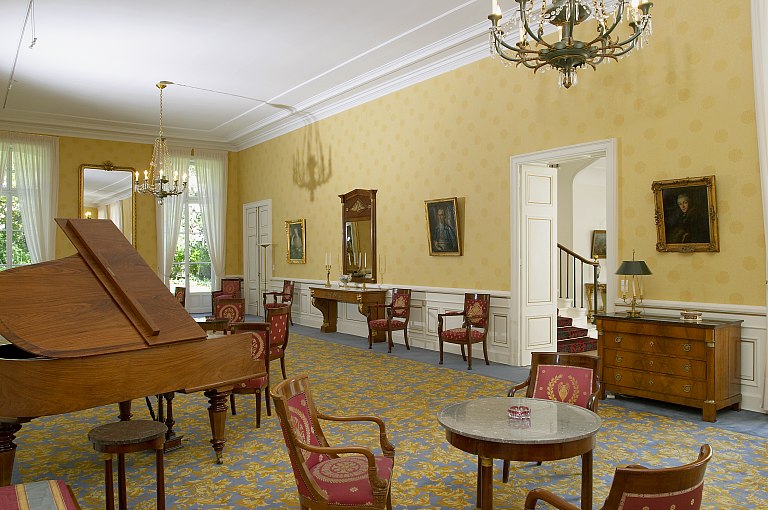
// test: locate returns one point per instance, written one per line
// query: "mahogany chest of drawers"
(663, 358)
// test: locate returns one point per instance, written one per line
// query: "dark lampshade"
(633, 267)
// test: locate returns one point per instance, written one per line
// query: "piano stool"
(45, 495)
(126, 437)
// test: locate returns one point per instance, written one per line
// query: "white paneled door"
(538, 260)
(257, 253)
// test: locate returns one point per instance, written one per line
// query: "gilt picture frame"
(296, 241)
(443, 234)
(598, 244)
(686, 215)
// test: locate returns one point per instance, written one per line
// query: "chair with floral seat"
(331, 478)
(281, 298)
(473, 330)
(570, 378)
(396, 317)
(232, 309)
(638, 487)
(230, 289)
(260, 333)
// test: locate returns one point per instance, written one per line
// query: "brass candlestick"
(327, 275)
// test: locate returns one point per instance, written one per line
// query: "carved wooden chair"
(570, 378)
(640, 487)
(181, 295)
(326, 479)
(230, 288)
(473, 330)
(260, 332)
(396, 313)
(232, 309)
(277, 319)
(281, 298)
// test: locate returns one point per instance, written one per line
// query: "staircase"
(572, 338)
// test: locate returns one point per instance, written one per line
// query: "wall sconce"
(631, 271)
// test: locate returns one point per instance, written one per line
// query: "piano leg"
(7, 451)
(125, 410)
(217, 413)
(172, 440)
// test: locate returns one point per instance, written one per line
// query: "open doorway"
(542, 194)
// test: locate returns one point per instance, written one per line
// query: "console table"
(693, 363)
(326, 300)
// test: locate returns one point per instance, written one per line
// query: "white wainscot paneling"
(539, 332)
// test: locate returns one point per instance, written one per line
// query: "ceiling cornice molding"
(280, 124)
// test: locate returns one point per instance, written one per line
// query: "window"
(13, 244)
(191, 261)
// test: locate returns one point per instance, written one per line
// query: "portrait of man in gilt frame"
(443, 233)
(686, 215)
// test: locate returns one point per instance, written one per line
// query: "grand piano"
(99, 327)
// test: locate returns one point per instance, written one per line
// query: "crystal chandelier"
(568, 53)
(156, 180)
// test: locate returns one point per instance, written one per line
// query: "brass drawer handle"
(687, 388)
(619, 359)
(651, 343)
(617, 377)
(687, 347)
(651, 363)
(617, 339)
(687, 367)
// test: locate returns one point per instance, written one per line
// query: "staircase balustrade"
(570, 270)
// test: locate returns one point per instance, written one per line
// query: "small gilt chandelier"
(568, 53)
(156, 179)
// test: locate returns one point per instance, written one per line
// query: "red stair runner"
(573, 339)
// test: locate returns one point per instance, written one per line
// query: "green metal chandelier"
(522, 41)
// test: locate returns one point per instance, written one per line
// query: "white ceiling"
(93, 68)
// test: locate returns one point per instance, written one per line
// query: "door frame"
(550, 156)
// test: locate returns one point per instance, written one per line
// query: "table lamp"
(631, 271)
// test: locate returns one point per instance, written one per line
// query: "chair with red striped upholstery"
(396, 317)
(230, 288)
(281, 298)
(45, 495)
(260, 332)
(473, 330)
(565, 377)
(638, 487)
(331, 478)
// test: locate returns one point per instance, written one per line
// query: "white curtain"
(169, 217)
(760, 70)
(115, 213)
(5, 153)
(36, 161)
(211, 168)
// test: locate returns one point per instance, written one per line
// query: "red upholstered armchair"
(331, 478)
(281, 298)
(260, 332)
(397, 314)
(637, 487)
(230, 288)
(232, 309)
(473, 330)
(570, 378)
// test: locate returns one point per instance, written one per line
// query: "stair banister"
(572, 257)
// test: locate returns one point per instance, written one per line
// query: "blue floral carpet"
(429, 473)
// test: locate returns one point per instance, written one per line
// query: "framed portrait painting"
(686, 214)
(295, 232)
(443, 234)
(598, 244)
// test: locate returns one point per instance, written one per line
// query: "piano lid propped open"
(104, 299)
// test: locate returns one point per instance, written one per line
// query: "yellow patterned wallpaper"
(681, 107)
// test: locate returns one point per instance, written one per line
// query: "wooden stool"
(126, 437)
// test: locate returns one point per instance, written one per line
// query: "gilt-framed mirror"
(358, 224)
(106, 192)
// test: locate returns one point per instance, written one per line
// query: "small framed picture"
(686, 214)
(295, 232)
(443, 233)
(598, 244)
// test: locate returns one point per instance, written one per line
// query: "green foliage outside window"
(19, 250)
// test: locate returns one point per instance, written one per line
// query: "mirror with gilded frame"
(106, 192)
(358, 224)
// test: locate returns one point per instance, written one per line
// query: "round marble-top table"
(554, 431)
